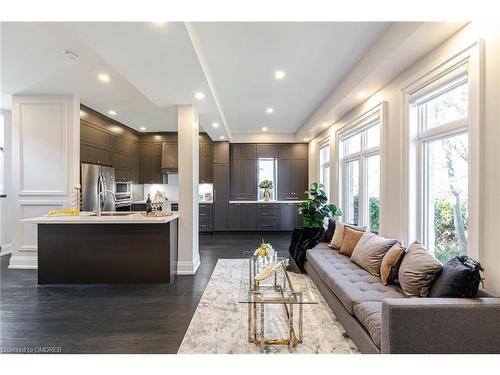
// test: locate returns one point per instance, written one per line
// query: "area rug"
(219, 325)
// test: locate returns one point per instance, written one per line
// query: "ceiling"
(153, 67)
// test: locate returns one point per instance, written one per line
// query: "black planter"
(302, 240)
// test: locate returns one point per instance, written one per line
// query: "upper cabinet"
(292, 171)
(206, 159)
(221, 152)
(243, 171)
(170, 157)
(101, 143)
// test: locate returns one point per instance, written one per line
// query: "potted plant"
(267, 185)
(315, 208)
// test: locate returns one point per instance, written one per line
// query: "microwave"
(123, 188)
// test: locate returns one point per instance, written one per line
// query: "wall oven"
(123, 195)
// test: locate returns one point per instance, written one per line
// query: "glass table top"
(285, 285)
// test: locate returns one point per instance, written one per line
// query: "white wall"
(5, 203)
(45, 165)
(489, 252)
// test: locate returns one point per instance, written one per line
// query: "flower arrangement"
(265, 249)
(266, 184)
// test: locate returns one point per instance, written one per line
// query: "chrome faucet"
(99, 199)
(101, 192)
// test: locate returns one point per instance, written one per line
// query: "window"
(442, 145)
(324, 167)
(360, 175)
(267, 170)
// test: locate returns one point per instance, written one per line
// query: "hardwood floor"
(105, 318)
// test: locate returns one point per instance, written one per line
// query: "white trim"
(22, 262)
(360, 122)
(6, 249)
(472, 59)
(188, 267)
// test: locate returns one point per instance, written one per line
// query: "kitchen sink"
(119, 213)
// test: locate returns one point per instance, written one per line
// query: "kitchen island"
(117, 247)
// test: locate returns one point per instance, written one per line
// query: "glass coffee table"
(286, 287)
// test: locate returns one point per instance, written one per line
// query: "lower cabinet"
(290, 218)
(205, 218)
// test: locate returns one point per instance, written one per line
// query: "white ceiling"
(315, 57)
(155, 67)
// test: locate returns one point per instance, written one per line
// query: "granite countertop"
(119, 218)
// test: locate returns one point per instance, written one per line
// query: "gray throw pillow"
(370, 251)
(418, 270)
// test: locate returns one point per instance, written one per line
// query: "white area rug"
(220, 323)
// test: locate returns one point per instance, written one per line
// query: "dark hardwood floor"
(105, 318)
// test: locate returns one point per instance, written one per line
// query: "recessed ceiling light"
(142, 128)
(111, 112)
(199, 95)
(71, 55)
(215, 125)
(264, 129)
(279, 74)
(306, 139)
(361, 94)
(103, 77)
(159, 23)
(222, 137)
(83, 113)
(269, 110)
(325, 124)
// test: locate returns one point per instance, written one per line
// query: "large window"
(324, 167)
(360, 175)
(267, 170)
(440, 116)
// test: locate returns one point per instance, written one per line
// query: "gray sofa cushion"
(369, 314)
(349, 282)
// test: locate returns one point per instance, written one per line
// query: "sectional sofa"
(380, 319)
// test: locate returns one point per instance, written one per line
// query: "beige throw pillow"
(338, 236)
(370, 251)
(351, 239)
(418, 270)
(390, 263)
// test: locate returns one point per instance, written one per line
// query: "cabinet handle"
(203, 214)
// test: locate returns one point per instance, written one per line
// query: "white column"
(188, 128)
(45, 165)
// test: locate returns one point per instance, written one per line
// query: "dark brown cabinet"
(205, 218)
(292, 171)
(267, 150)
(150, 162)
(243, 172)
(105, 141)
(290, 218)
(221, 153)
(170, 157)
(234, 217)
(206, 160)
(221, 196)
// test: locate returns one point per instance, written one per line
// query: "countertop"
(270, 202)
(173, 202)
(133, 218)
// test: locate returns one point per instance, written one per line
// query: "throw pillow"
(351, 239)
(417, 271)
(370, 250)
(390, 263)
(329, 231)
(460, 278)
(338, 236)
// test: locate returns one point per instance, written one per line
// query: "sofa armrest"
(441, 325)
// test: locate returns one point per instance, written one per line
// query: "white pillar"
(188, 128)
(45, 165)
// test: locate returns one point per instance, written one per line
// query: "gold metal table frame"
(280, 291)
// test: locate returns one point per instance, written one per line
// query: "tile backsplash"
(170, 190)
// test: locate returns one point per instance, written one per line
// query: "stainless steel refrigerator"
(96, 178)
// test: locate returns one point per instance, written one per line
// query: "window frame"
(325, 165)
(274, 190)
(362, 121)
(468, 61)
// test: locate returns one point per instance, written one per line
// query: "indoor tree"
(315, 208)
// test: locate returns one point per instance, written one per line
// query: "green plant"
(315, 208)
(266, 184)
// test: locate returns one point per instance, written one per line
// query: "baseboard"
(23, 262)
(187, 267)
(6, 249)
